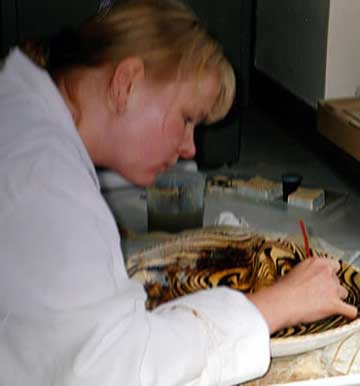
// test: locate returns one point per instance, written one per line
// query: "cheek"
(174, 131)
(148, 133)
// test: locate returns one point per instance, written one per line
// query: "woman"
(126, 91)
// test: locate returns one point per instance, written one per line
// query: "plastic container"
(175, 201)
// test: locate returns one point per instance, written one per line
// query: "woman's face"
(157, 126)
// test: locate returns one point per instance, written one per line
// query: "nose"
(187, 147)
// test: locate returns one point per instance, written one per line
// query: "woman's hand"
(309, 292)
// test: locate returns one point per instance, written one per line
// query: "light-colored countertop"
(338, 224)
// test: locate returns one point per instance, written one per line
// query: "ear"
(125, 75)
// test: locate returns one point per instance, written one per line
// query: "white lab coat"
(69, 315)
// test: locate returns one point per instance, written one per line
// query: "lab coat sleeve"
(213, 337)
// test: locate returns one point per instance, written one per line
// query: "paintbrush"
(305, 238)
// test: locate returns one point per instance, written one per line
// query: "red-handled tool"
(306, 238)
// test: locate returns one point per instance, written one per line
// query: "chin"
(147, 182)
(144, 180)
(141, 177)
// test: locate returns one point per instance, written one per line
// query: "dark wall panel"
(43, 17)
(230, 22)
(8, 25)
(21, 19)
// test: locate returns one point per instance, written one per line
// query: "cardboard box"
(339, 121)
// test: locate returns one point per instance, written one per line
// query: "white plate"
(300, 344)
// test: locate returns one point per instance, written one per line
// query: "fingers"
(344, 308)
(335, 264)
(347, 310)
(332, 263)
(318, 290)
(324, 271)
(342, 292)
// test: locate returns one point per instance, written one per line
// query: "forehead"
(205, 88)
(193, 94)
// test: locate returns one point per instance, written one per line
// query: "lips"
(172, 163)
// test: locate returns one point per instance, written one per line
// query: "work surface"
(338, 224)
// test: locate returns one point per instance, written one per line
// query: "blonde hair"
(166, 34)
